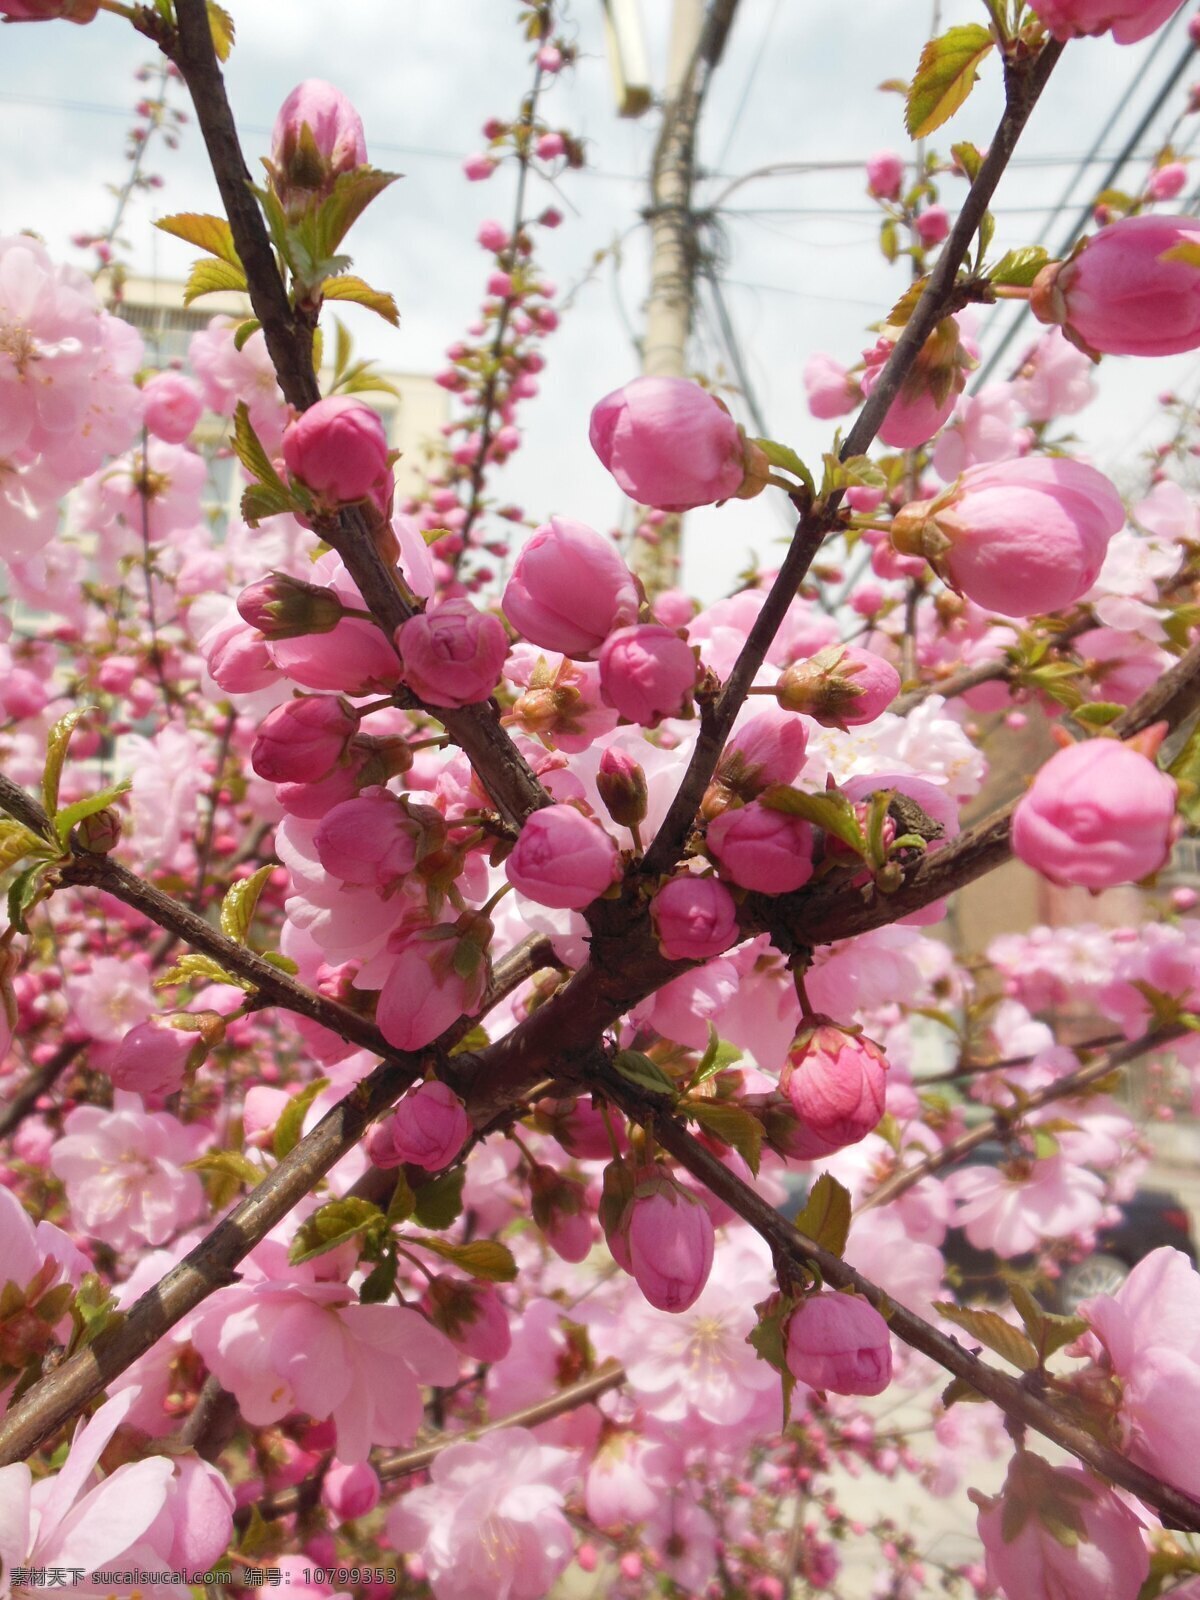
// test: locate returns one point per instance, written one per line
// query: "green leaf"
(244, 331)
(829, 810)
(968, 157)
(734, 1126)
(228, 1164)
(196, 968)
(782, 455)
(25, 891)
(66, 819)
(380, 1283)
(331, 1225)
(855, 471)
(348, 287)
(1019, 267)
(261, 500)
(57, 741)
(248, 448)
(1048, 1330)
(1187, 251)
(987, 232)
(991, 1330)
(212, 277)
(284, 963)
(352, 193)
(647, 1075)
(768, 1340)
(718, 1055)
(291, 1120)
(945, 76)
(210, 234)
(826, 1215)
(220, 25)
(403, 1202)
(17, 841)
(1185, 769)
(889, 239)
(237, 908)
(482, 1258)
(439, 1202)
(960, 1389)
(1097, 713)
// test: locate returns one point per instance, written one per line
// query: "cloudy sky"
(798, 84)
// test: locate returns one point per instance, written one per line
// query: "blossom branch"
(1006, 1117)
(289, 337)
(1021, 1399)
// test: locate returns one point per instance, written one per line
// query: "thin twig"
(36, 1085)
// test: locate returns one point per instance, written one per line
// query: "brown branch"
(404, 1465)
(977, 1069)
(289, 338)
(36, 1085)
(1020, 1399)
(1007, 1117)
(955, 684)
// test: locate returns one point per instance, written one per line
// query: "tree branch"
(36, 1085)
(1021, 1399)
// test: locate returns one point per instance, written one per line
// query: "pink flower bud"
(1165, 182)
(470, 1314)
(452, 654)
(238, 659)
(377, 838)
(1127, 20)
(768, 748)
(831, 391)
(338, 449)
(1098, 814)
(493, 236)
(841, 686)
(1028, 1558)
(478, 167)
(673, 608)
(885, 175)
(694, 918)
(933, 225)
(840, 1342)
(1121, 295)
(172, 406)
(622, 785)
(670, 1237)
(155, 1056)
(439, 975)
(836, 1081)
(351, 1491)
(762, 849)
(427, 1129)
(317, 135)
(303, 740)
(283, 607)
(561, 1211)
(562, 859)
(49, 10)
(569, 589)
(930, 391)
(1020, 537)
(671, 444)
(647, 672)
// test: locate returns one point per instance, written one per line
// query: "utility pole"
(697, 40)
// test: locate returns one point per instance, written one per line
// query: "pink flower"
(669, 444)
(452, 654)
(694, 918)
(1055, 379)
(49, 10)
(1018, 538)
(1057, 1533)
(562, 859)
(338, 449)
(831, 391)
(1127, 20)
(428, 1128)
(885, 175)
(124, 1172)
(491, 1521)
(836, 1082)
(317, 136)
(933, 225)
(493, 236)
(1120, 295)
(1098, 814)
(1014, 1208)
(173, 405)
(377, 838)
(839, 1342)
(550, 146)
(283, 1346)
(303, 740)
(647, 672)
(439, 975)
(237, 656)
(155, 1056)
(670, 1241)
(1150, 1333)
(762, 849)
(569, 589)
(842, 686)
